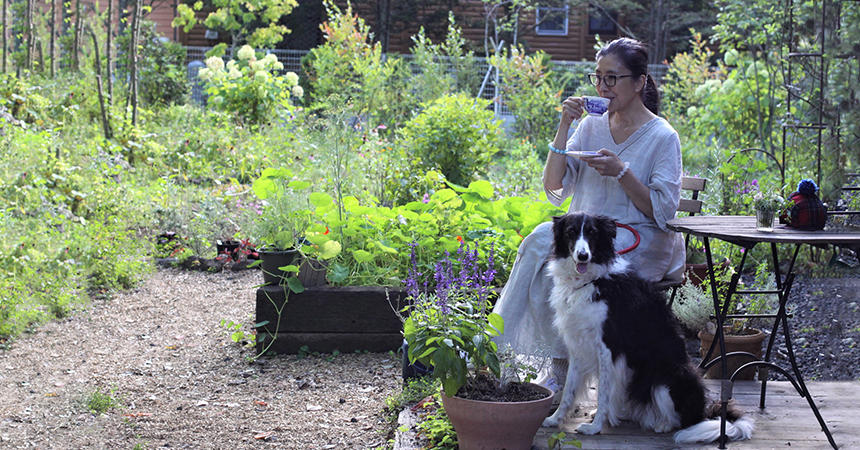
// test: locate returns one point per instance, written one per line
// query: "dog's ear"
(555, 219)
(608, 226)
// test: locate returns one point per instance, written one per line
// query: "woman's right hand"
(571, 109)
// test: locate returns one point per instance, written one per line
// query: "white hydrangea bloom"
(234, 73)
(277, 66)
(214, 63)
(230, 65)
(257, 66)
(204, 74)
(292, 78)
(298, 91)
(246, 52)
(270, 59)
(261, 75)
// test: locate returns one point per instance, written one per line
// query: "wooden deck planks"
(786, 422)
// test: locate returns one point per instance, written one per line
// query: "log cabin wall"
(577, 45)
(162, 13)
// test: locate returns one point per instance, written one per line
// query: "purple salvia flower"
(411, 280)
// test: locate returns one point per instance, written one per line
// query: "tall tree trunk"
(135, 37)
(41, 54)
(98, 67)
(5, 33)
(659, 32)
(76, 46)
(109, 52)
(29, 28)
(53, 50)
(383, 22)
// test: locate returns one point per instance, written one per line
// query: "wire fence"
(292, 61)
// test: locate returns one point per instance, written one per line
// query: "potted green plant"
(282, 228)
(451, 330)
(766, 205)
(694, 308)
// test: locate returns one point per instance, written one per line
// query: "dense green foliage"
(386, 152)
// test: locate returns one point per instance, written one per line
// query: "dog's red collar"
(635, 234)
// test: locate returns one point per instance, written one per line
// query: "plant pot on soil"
(698, 272)
(497, 424)
(750, 343)
(311, 271)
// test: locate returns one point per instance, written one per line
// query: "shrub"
(530, 93)
(455, 134)
(249, 87)
(163, 79)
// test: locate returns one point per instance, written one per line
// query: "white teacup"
(596, 106)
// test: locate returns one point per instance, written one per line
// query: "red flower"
(460, 238)
(326, 230)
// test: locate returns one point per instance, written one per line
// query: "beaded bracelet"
(555, 150)
(623, 171)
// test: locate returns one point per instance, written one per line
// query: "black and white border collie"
(618, 328)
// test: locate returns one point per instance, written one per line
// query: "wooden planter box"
(327, 318)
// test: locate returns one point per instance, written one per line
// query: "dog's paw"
(551, 422)
(588, 428)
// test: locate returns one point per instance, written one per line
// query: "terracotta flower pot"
(698, 272)
(750, 343)
(496, 425)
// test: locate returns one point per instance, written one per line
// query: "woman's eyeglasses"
(607, 80)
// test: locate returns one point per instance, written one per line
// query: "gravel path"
(181, 381)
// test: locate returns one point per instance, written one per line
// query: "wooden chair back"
(694, 185)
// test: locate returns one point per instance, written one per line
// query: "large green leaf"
(362, 256)
(497, 322)
(330, 249)
(295, 285)
(482, 188)
(321, 200)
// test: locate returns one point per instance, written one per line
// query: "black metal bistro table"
(741, 231)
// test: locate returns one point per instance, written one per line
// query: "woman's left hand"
(607, 164)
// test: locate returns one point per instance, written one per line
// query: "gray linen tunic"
(654, 154)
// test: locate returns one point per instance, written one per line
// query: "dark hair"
(634, 56)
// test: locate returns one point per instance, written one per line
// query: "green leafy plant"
(436, 426)
(256, 22)
(530, 92)
(558, 440)
(286, 213)
(455, 134)
(162, 77)
(414, 390)
(99, 402)
(693, 306)
(238, 334)
(376, 238)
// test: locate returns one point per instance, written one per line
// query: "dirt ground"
(180, 381)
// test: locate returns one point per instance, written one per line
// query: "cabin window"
(551, 21)
(601, 23)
